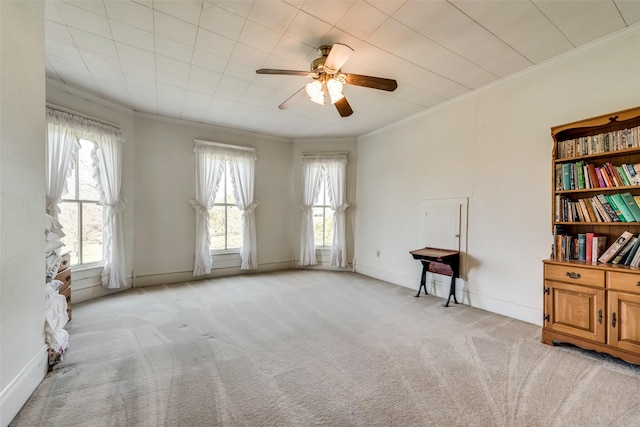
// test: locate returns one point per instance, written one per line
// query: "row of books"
(581, 175)
(586, 247)
(608, 141)
(619, 207)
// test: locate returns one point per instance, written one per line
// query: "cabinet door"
(575, 310)
(624, 331)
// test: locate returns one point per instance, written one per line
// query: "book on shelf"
(615, 247)
(623, 175)
(615, 208)
(610, 211)
(631, 205)
(620, 203)
(601, 181)
(579, 175)
(593, 176)
(624, 251)
(566, 176)
(598, 247)
(582, 247)
(635, 261)
(632, 252)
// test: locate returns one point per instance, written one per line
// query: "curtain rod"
(85, 116)
(219, 144)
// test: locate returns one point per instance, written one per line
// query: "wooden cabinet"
(64, 275)
(588, 303)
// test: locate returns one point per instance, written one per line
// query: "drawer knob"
(573, 275)
(638, 284)
(67, 278)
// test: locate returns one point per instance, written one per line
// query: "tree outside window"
(225, 227)
(81, 215)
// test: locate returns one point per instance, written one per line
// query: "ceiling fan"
(328, 79)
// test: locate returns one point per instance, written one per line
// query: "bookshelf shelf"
(595, 199)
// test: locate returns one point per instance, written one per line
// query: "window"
(225, 227)
(323, 215)
(81, 215)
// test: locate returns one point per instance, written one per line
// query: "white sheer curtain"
(311, 175)
(107, 164)
(209, 168)
(62, 147)
(336, 177)
(210, 162)
(242, 177)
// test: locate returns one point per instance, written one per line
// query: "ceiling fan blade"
(373, 82)
(338, 55)
(285, 72)
(292, 99)
(343, 107)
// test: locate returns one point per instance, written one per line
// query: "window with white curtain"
(81, 211)
(225, 227)
(323, 207)
(225, 176)
(83, 154)
(323, 215)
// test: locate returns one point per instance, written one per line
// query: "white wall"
(23, 357)
(494, 147)
(329, 145)
(165, 181)
(86, 281)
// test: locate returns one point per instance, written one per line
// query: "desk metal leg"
(452, 291)
(423, 279)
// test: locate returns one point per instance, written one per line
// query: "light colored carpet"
(314, 348)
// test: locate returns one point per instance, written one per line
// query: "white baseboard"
(16, 393)
(490, 303)
(187, 276)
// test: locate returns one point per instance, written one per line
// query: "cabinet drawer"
(623, 281)
(573, 274)
(65, 262)
(65, 277)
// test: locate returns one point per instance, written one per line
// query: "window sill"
(225, 252)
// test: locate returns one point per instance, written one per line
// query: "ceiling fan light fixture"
(314, 89)
(334, 87)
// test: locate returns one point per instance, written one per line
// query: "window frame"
(80, 203)
(227, 186)
(326, 206)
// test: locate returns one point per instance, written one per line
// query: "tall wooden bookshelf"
(593, 305)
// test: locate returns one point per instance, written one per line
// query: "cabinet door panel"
(625, 332)
(575, 310)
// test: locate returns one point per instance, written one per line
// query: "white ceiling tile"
(169, 110)
(361, 20)
(141, 89)
(146, 3)
(51, 12)
(197, 100)
(449, 27)
(173, 28)
(336, 35)
(630, 10)
(231, 88)
(131, 13)
(94, 6)
(328, 11)
(209, 61)
(240, 8)
(248, 55)
(138, 70)
(276, 16)
(296, 52)
(307, 29)
(93, 43)
(173, 49)
(221, 21)
(220, 107)
(387, 6)
(168, 94)
(172, 72)
(203, 80)
(84, 20)
(240, 71)
(214, 43)
(256, 95)
(259, 37)
(597, 18)
(185, 10)
(99, 60)
(131, 35)
(520, 25)
(134, 55)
